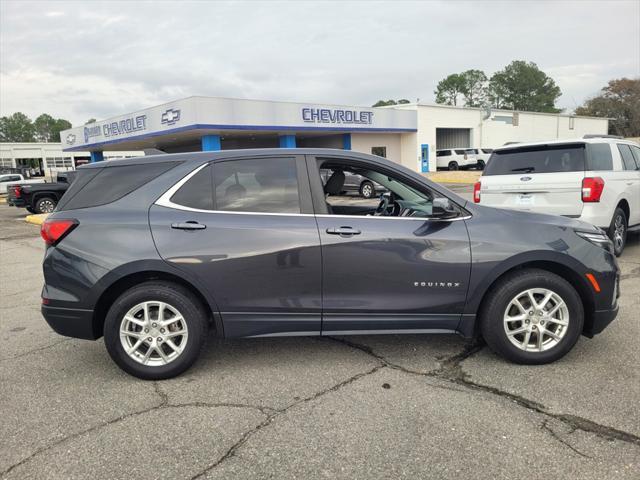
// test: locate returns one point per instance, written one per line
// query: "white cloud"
(96, 59)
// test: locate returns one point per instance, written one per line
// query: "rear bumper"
(70, 322)
(601, 319)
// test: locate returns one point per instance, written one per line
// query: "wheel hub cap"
(536, 320)
(153, 333)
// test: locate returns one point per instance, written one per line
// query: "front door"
(397, 270)
(244, 229)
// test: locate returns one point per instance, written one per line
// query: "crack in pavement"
(39, 349)
(450, 370)
(164, 404)
(279, 412)
(545, 426)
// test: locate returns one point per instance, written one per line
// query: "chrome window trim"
(165, 201)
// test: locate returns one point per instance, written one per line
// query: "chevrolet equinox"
(152, 252)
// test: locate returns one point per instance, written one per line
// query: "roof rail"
(601, 135)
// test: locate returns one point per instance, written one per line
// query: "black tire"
(454, 166)
(617, 231)
(45, 205)
(176, 296)
(367, 190)
(498, 299)
(30, 210)
(480, 165)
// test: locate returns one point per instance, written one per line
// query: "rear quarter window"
(537, 159)
(627, 157)
(100, 186)
(599, 157)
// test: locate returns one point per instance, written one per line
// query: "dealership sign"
(336, 116)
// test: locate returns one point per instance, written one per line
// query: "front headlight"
(599, 239)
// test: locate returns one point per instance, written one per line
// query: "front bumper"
(70, 322)
(601, 319)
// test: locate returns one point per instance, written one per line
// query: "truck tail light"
(592, 188)
(52, 231)
(476, 192)
(17, 191)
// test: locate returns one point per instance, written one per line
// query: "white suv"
(456, 158)
(594, 179)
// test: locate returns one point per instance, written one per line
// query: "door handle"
(343, 231)
(190, 225)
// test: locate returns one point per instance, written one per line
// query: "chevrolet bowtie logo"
(170, 117)
(71, 139)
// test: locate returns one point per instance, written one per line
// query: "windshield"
(537, 159)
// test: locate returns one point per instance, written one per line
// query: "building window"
(379, 151)
(572, 122)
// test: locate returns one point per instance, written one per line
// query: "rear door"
(244, 229)
(542, 178)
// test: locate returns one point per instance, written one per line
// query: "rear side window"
(537, 159)
(599, 157)
(627, 157)
(101, 186)
(487, 150)
(462, 152)
(636, 153)
(197, 192)
(268, 185)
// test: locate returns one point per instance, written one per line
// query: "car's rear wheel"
(155, 330)
(453, 166)
(45, 205)
(618, 231)
(480, 165)
(532, 317)
(367, 190)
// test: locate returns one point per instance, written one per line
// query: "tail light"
(476, 192)
(592, 188)
(54, 230)
(17, 191)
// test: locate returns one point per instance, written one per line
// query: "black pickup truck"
(39, 197)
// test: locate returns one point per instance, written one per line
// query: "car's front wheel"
(532, 316)
(367, 190)
(480, 165)
(155, 330)
(618, 231)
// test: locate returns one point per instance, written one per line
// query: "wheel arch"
(567, 272)
(116, 284)
(624, 205)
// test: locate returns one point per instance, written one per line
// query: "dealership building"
(408, 134)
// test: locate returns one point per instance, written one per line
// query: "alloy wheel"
(536, 320)
(46, 206)
(367, 190)
(153, 333)
(618, 232)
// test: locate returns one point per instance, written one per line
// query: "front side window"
(400, 199)
(263, 185)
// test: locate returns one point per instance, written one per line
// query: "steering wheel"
(387, 206)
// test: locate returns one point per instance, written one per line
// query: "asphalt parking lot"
(358, 407)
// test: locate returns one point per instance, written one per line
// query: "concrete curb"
(3, 200)
(37, 219)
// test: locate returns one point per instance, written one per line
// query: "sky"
(80, 60)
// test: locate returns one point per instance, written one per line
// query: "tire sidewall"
(492, 316)
(612, 228)
(362, 190)
(38, 209)
(453, 166)
(173, 295)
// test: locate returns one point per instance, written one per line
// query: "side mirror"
(444, 209)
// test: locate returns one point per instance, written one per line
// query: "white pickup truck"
(13, 178)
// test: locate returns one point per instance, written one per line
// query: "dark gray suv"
(152, 252)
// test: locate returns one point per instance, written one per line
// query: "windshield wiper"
(524, 169)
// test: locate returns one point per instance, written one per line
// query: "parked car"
(593, 179)
(152, 251)
(356, 183)
(482, 157)
(14, 178)
(455, 158)
(39, 197)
